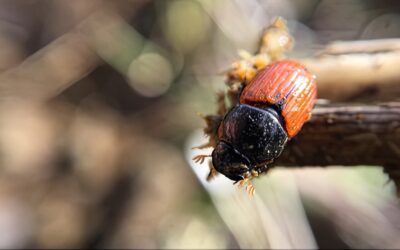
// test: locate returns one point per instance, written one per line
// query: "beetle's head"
(229, 162)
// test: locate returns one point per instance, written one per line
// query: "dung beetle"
(272, 109)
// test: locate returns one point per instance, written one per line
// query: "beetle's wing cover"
(288, 83)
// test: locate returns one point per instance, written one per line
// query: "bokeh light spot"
(150, 74)
(187, 24)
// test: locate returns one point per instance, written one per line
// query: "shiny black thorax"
(250, 137)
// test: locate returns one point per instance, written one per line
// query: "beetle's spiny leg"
(221, 103)
(200, 158)
(213, 172)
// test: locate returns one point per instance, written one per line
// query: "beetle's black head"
(229, 162)
(250, 136)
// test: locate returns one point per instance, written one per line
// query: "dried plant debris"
(274, 42)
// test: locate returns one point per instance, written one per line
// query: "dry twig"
(358, 71)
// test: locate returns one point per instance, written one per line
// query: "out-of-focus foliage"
(103, 159)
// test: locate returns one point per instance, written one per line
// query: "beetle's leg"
(213, 171)
(221, 103)
(211, 130)
(200, 158)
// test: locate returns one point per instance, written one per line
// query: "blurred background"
(98, 115)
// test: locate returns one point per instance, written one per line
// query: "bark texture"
(347, 135)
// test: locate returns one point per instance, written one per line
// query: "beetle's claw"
(250, 189)
(242, 183)
(246, 182)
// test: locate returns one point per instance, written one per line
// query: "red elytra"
(288, 83)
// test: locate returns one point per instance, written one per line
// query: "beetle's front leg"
(213, 172)
(200, 158)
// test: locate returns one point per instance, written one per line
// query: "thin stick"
(362, 46)
(357, 77)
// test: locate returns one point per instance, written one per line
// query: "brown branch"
(348, 136)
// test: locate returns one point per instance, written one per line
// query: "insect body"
(273, 107)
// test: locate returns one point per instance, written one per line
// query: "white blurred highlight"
(262, 221)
